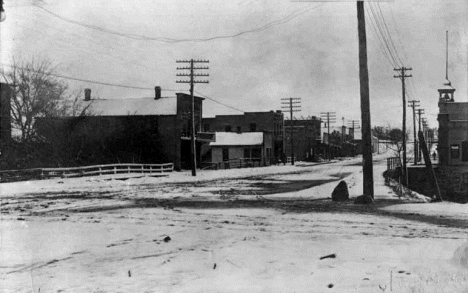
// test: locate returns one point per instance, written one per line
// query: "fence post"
(115, 169)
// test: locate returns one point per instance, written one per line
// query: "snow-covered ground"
(244, 230)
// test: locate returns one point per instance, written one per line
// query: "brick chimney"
(87, 94)
(157, 92)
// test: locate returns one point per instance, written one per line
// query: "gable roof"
(237, 139)
(132, 106)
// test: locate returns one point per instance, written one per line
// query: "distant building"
(136, 130)
(452, 145)
(271, 123)
(306, 137)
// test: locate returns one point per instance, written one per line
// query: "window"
(253, 127)
(239, 129)
(227, 128)
(455, 151)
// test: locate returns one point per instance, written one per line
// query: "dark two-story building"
(135, 130)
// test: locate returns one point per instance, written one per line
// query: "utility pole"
(413, 104)
(367, 167)
(330, 118)
(294, 106)
(342, 131)
(420, 112)
(353, 124)
(192, 81)
(402, 76)
(425, 127)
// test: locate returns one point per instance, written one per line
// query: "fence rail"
(393, 163)
(43, 173)
(235, 164)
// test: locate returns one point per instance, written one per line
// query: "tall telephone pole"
(291, 105)
(420, 112)
(330, 117)
(425, 127)
(367, 167)
(353, 124)
(192, 81)
(402, 76)
(413, 104)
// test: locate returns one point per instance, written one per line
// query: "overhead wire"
(119, 85)
(379, 38)
(61, 43)
(218, 102)
(388, 33)
(283, 20)
(79, 79)
(381, 32)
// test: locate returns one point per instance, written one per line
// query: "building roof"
(238, 139)
(132, 106)
(447, 86)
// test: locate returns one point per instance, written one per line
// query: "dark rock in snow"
(167, 239)
(329, 256)
(363, 199)
(340, 193)
(330, 285)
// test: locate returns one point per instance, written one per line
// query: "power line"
(379, 38)
(381, 31)
(283, 20)
(388, 33)
(119, 85)
(398, 35)
(89, 50)
(225, 105)
(80, 79)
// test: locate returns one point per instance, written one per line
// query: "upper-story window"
(253, 127)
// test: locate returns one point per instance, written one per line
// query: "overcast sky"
(283, 49)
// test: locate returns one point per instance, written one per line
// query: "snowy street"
(244, 230)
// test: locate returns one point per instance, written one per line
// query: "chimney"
(157, 92)
(87, 94)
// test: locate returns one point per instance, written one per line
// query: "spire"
(446, 91)
(447, 81)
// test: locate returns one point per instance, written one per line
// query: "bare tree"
(36, 92)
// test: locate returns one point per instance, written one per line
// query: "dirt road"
(245, 231)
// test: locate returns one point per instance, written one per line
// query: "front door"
(225, 154)
(465, 151)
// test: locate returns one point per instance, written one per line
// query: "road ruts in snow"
(245, 231)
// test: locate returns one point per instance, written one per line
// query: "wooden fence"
(235, 163)
(393, 163)
(44, 173)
